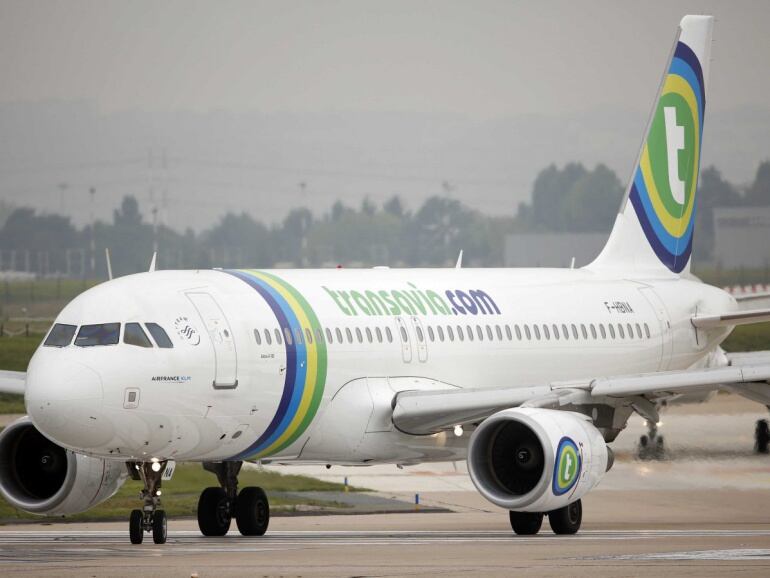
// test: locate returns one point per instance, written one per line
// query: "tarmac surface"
(704, 511)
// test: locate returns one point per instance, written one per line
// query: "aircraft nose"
(64, 401)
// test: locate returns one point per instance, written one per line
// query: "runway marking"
(734, 555)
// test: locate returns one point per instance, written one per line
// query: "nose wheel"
(217, 506)
(150, 519)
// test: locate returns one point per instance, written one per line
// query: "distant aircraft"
(526, 373)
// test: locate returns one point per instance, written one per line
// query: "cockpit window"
(135, 335)
(60, 336)
(102, 334)
(159, 335)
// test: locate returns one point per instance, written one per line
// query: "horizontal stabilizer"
(731, 319)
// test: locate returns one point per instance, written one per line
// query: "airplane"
(528, 374)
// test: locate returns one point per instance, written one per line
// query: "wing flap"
(12, 381)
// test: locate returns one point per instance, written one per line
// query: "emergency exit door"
(221, 337)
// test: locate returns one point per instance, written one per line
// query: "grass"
(181, 493)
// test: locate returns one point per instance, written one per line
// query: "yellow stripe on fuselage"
(311, 372)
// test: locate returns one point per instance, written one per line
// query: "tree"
(758, 193)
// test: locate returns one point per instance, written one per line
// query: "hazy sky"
(445, 63)
(480, 58)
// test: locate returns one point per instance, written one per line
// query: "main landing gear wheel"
(526, 523)
(762, 437)
(566, 520)
(252, 512)
(214, 512)
(149, 518)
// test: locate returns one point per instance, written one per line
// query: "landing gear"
(651, 446)
(563, 521)
(218, 506)
(566, 520)
(762, 437)
(149, 518)
(526, 523)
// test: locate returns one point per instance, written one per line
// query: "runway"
(80, 552)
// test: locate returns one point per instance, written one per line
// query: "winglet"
(152, 263)
(109, 263)
(459, 264)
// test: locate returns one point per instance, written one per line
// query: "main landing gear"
(217, 506)
(563, 521)
(149, 518)
(651, 446)
(762, 437)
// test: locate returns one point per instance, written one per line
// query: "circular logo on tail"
(567, 466)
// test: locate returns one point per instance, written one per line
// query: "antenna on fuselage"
(152, 262)
(109, 263)
(459, 264)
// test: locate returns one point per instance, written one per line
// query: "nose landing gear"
(218, 506)
(149, 518)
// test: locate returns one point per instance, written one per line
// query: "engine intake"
(39, 477)
(536, 460)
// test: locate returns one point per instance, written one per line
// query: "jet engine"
(39, 477)
(536, 460)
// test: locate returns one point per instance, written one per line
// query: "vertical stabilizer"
(654, 229)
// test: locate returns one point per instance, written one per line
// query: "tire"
(762, 437)
(566, 520)
(135, 529)
(214, 514)
(526, 523)
(159, 527)
(252, 512)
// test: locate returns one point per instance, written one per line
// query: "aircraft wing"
(426, 412)
(744, 317)
(12, 381)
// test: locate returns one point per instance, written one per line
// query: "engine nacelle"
(536, 460)
(39, 477)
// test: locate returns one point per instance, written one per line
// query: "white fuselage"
(223, 392)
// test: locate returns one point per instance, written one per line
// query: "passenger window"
(527, 333)
(612, 330)
(359, 336)
(508, 333)
(555, 331)
(329, 336)
(404, 336)
(489, 333)
(575, 331)
(601, 330)
(369, 335)
(480, 333)
(267, 336)
(451, 335)
(647, 330)
(638, 331)
(278, 337)
(431, 335)
(338, 333)
(537, 332)
(470, 332)
(60, 336)
(159, 335)
(378, 331)
(389, 334)
(593, 331)
(319, 335)
(630, 331)
(287, 335)
(440, 331)
(257, 336)
(298, 336)
(546, 332)
(565, 331)
(620, 331)
(102, 334)
(420, 336)
(349, 335)
(135, 335)
(308, 335)
(518, 332)
(500, 332)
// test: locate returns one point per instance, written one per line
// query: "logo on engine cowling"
(567, 466)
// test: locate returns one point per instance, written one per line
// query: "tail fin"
(654, 228)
